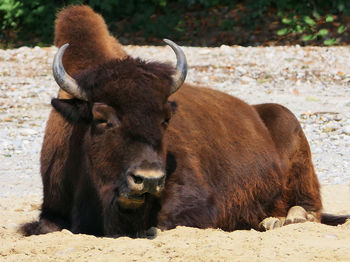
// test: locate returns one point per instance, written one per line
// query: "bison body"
(137, 153)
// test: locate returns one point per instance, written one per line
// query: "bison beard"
(131, 222)
(110, 219)
(117, 158)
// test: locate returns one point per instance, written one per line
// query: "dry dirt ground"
(298, 242)
(312, 82)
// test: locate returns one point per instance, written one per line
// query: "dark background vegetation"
(189, 22)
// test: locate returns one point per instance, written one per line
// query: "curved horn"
(181, 66)
(65, 81)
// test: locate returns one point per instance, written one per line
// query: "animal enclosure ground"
(313, 82)
(299, 242)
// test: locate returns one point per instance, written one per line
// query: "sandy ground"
(298, 242)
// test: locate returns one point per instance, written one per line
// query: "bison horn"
(65, 81)
(181, 66)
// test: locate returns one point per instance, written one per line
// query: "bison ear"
(74, 110)
(105, 116)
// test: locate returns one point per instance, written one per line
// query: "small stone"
(28, 132)
(328, 129)
(225, 48)
(346, 130)
(65, 251)
(317, 150)
(67, 232)
(204, 51)
(312, 99)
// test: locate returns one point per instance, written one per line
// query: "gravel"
(313, 82)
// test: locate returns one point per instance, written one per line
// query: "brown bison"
(128, 146)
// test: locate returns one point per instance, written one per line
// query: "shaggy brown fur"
(89, 40)
(228, 165)
(90, 45)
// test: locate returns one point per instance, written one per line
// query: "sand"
(299, 242)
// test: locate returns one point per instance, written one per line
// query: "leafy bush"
(32, 21)
(314, 20)
(29, 20)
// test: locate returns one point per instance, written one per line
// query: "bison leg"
(298, 214)
(43, 226)
(302, 184)
(270, 223)
(59, 170)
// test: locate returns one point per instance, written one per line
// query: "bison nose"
(146, 181)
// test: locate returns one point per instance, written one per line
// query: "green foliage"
(311, 28)
(329, 18)
(341, 29)
(331, 41)
(312, 20)
(32, 21)
(29, 19)
(228, 24)
(11, 10)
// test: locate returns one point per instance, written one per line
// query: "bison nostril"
(145, 181)
(136, 179)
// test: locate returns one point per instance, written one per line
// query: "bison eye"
(165, 123)
(100, 123)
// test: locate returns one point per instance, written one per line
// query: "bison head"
(126, 108)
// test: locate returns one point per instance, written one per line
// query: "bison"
(129, 146)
